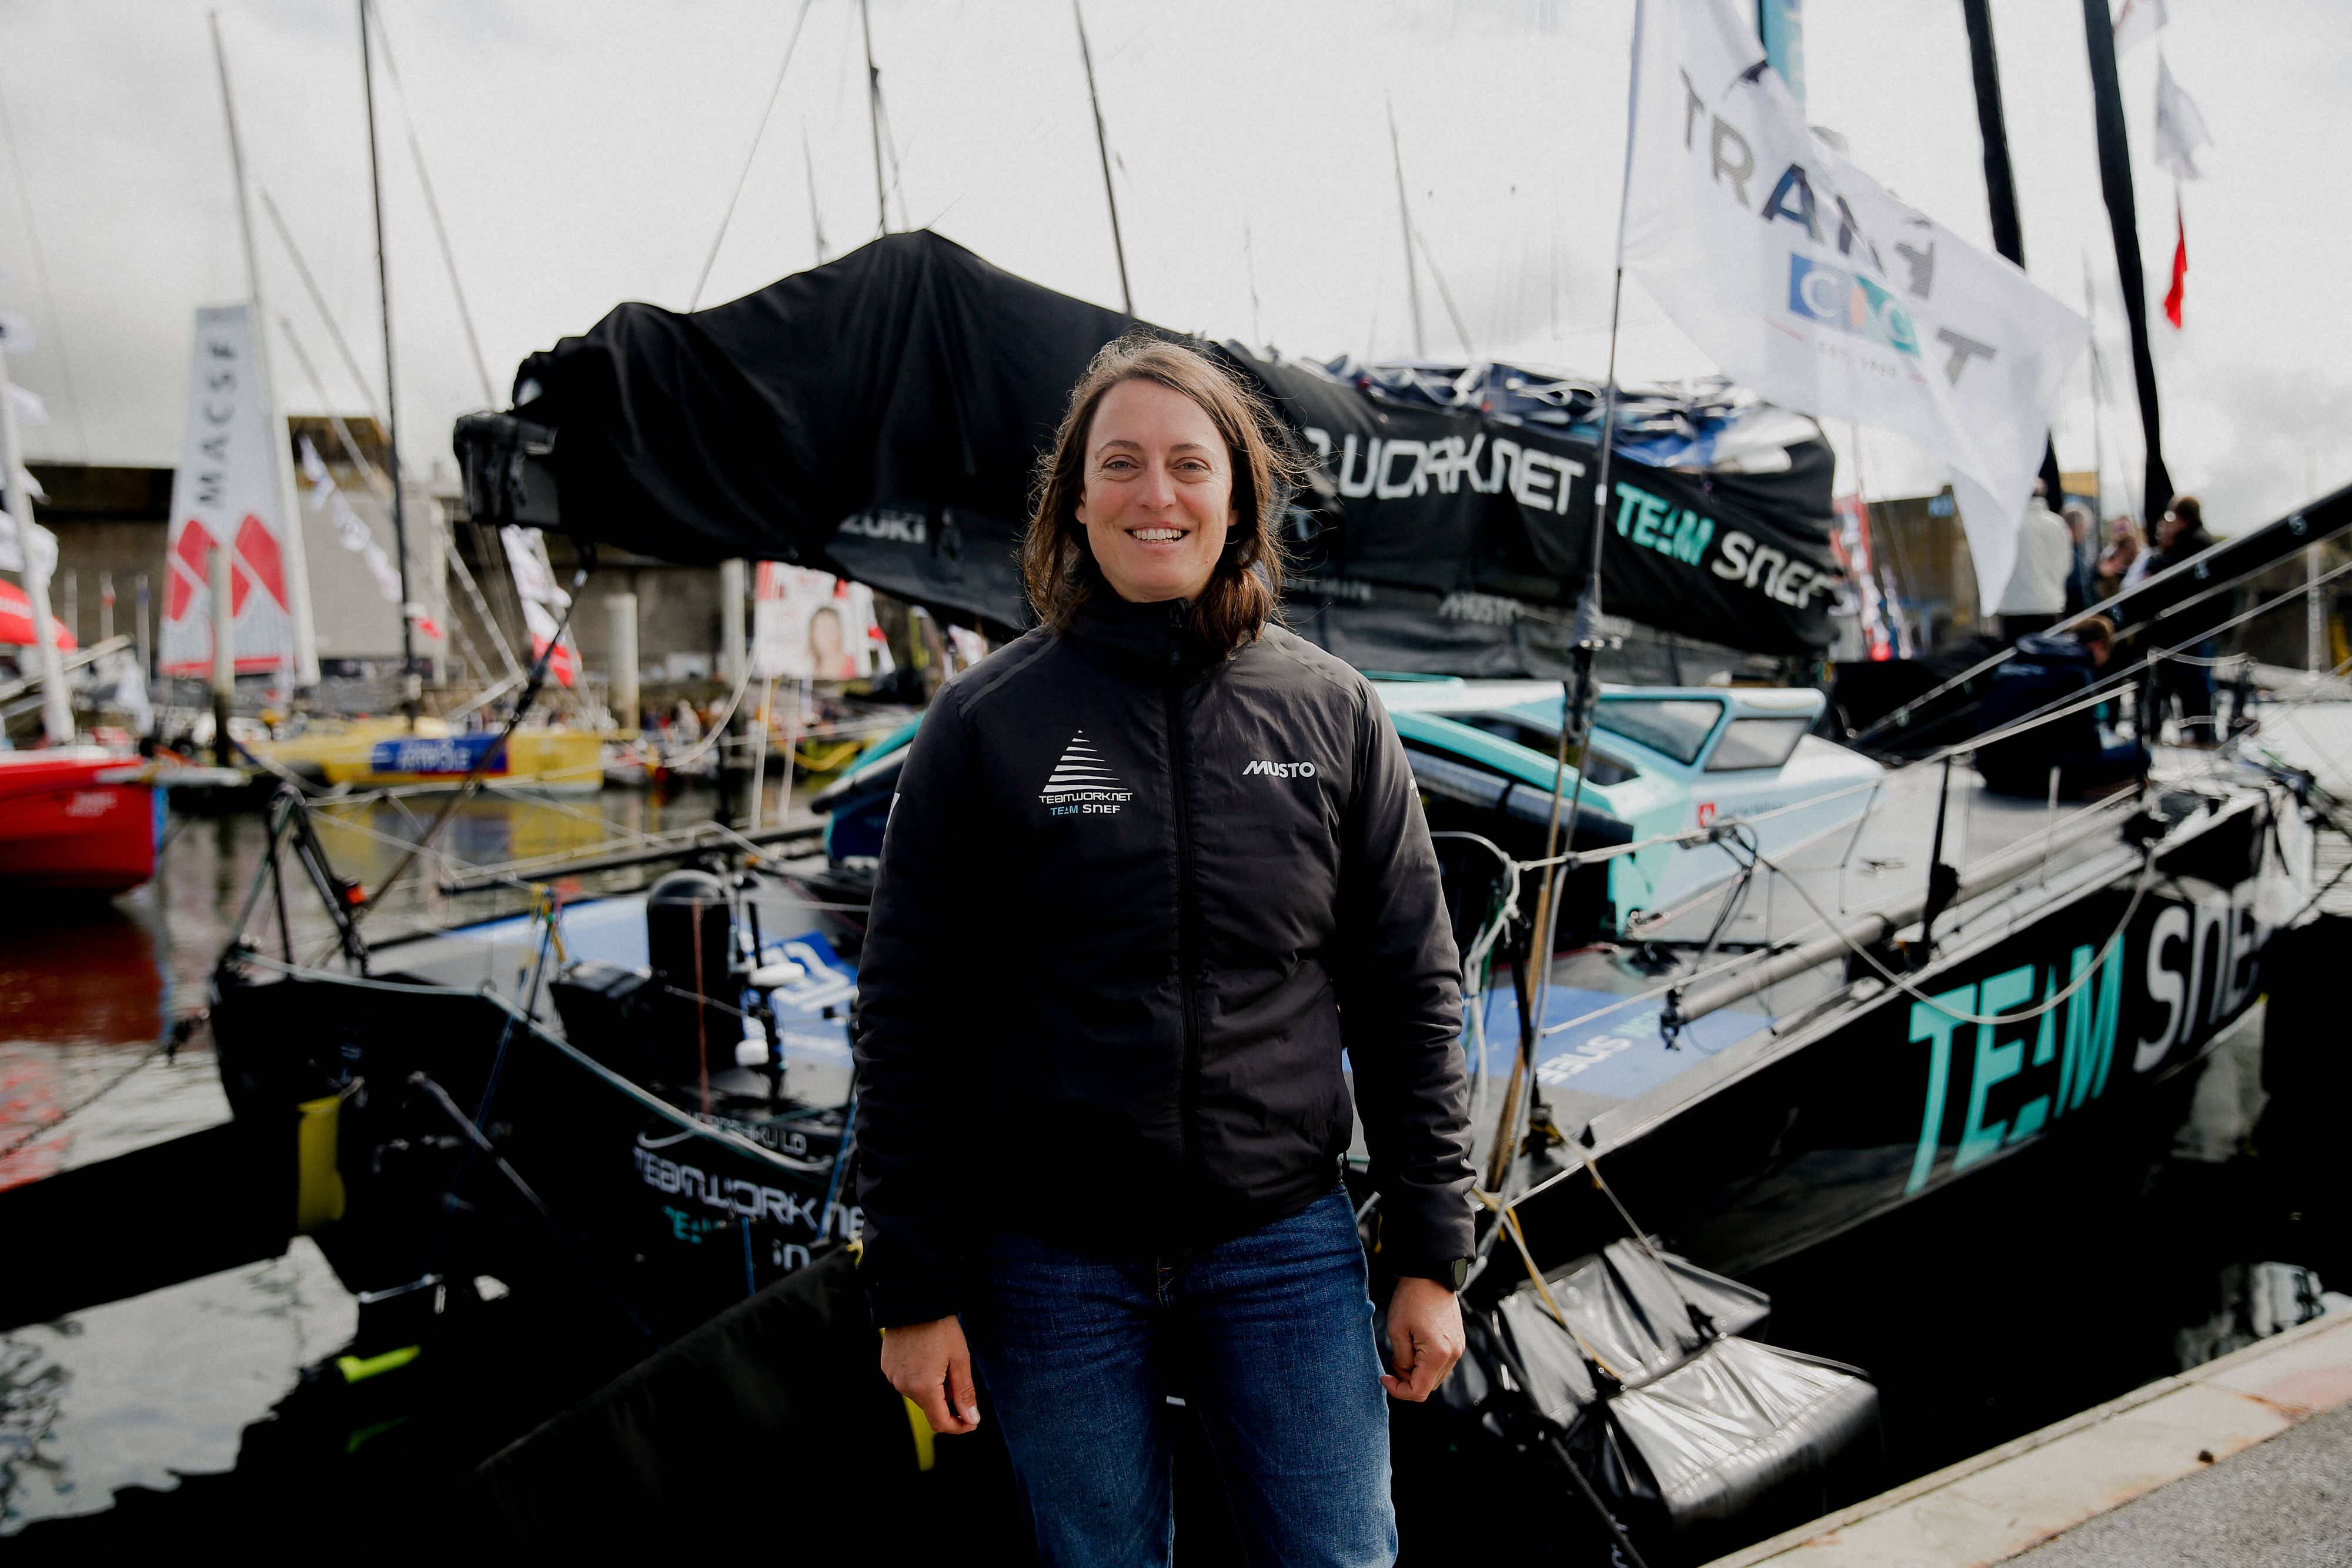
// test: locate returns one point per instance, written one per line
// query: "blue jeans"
(1273, 1335)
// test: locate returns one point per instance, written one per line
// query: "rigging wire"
(808, 173)
(1445, 295)
(433, 210)
(319, 301)
(2110, 686)
(35, 1134)
(41, 276)
(873, 118)
(750, 153)
(370, 474)
(1102, 149)
(381, 487)
(411, 669)
(2285, 709)
(1404, 218)
(1902, 714)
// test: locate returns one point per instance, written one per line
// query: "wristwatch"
(1453, 1275)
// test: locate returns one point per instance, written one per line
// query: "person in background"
(2122, 563)
(2036, 595)
(2186, 678)
(2048, 669)
(2181, 533)
(2082, 576)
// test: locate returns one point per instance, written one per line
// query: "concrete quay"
(2246, 1459)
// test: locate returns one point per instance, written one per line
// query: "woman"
(2120, 564)
(1151, 869)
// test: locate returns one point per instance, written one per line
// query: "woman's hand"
(1424, 1338)
(931, 1365)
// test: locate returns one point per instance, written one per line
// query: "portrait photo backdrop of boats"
(1894, 835)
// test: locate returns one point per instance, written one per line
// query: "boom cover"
(881, 417)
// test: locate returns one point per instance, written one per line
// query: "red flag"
(2179, 267)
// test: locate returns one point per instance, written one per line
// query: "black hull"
(605, 1187)
(598, 1188)
(1891, 1099)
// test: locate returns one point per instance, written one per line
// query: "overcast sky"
(584, 151)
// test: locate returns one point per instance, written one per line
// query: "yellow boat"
(368, 753)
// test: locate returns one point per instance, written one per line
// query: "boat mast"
(412, 681)
(2123, 219)
(2098, 431)
(2001, 180)
(281, 458)
(1578, 694)
(57, 710)
(1404, 225)
(874, 118)
(1102, 149)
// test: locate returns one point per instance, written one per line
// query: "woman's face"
(824, 636)
(1159, 493)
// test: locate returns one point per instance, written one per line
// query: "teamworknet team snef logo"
(1851, 303)
(1082, 783)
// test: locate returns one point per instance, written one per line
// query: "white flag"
(543, 604)
(30, 409)
(12, 548)
(349, 527)
(1807, 281)
(2136, 23)
(2181, 132)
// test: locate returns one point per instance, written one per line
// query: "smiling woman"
(1209, 881)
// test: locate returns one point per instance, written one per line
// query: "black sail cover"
(881, 417)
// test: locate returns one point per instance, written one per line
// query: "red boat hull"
(75, 819)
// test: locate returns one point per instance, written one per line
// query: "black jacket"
(1134, 902)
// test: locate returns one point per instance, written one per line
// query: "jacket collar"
(1144, 641)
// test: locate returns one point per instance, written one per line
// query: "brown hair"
(2097, 629)
(1244, 589)
(2190, 511)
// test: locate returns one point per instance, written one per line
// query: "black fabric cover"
(907, 387)
(1440, 529)
(880, 417)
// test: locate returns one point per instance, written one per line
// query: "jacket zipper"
(1187, 1095)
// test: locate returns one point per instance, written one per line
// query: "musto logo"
(1280, 769)
(1851, 303)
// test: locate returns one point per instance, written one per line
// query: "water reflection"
(144, 1392)
(138, 1394)
(83, 998)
